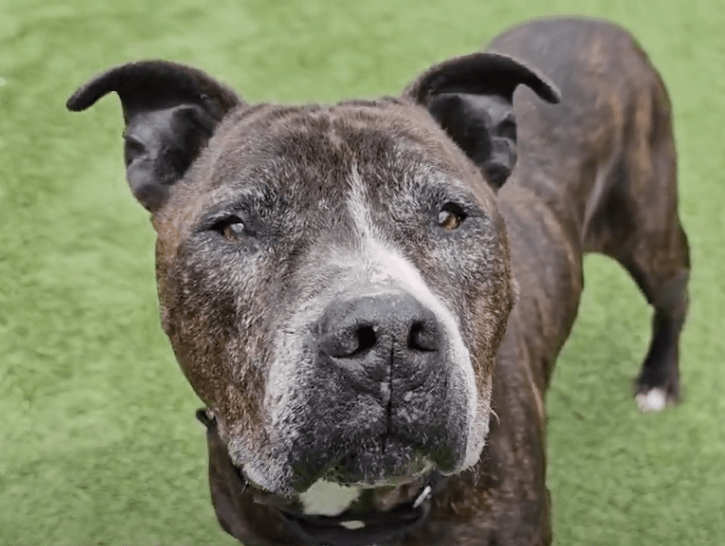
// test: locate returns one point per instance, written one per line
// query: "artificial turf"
(98, 444)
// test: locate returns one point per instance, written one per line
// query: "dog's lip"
(276, 500)
(244, 482)
(413, 469)
(389, 462)
(420, 467)
(383, 496)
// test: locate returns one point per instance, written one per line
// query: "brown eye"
(451, 216)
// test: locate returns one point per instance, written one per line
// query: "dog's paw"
(655, 399)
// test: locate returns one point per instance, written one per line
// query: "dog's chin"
(387, 462)
(376, 463)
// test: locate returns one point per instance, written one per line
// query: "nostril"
(423, 337)
(366, 339)
(349, 342)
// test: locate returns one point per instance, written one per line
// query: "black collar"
(348, 528)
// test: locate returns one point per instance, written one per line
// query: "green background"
(98, 444)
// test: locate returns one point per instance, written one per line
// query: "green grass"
(98, 444)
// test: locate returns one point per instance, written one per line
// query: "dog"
(369, 297)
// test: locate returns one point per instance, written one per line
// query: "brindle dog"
(339, 283)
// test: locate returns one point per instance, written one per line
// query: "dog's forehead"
(318, 147)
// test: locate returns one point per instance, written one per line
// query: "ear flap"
(471, 97)
(171, 112)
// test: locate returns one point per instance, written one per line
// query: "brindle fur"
(595, 173)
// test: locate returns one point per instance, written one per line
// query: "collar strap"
(350, 529)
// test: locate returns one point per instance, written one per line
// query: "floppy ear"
(471, 97)
(171, 112)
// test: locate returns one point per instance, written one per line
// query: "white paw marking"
(325, 498)
(651, 401)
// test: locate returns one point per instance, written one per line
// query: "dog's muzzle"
(369, 390)
(381, 384)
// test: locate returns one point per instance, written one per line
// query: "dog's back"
(596, 173)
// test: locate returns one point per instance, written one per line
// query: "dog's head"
(334, 280)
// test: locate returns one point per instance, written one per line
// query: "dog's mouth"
(370, 464)
(356, 470)
(377, 516)
(393, 505)
(387, 461)
(370, 455)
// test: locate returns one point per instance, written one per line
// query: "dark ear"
(171, 112)
(471, 97)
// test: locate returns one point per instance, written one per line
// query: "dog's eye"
(451, 216)
(232, 228)
(234, 231)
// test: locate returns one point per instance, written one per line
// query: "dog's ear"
(171, 112)
(471, 97)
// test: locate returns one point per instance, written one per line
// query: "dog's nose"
(374, 336)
